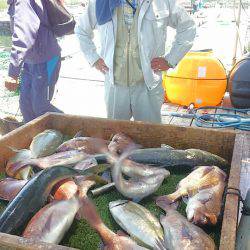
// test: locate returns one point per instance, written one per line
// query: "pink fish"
(9, 188)
(54, 220)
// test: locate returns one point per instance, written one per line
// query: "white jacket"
(154, 17)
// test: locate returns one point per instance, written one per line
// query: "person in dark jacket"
(35, 58)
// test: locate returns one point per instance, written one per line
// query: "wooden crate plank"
(149, 134)
(181, 121)
(20, 138)
(229, 225)
(12, 242)
(168, 107)
(245, 169)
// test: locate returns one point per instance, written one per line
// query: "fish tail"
(83, 188)
(170, 198)
(13, 169)
(78, 134)
(116, 171)
(165, 203)
(98, 179)
(89, 213)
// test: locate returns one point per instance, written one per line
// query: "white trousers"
(125, 102)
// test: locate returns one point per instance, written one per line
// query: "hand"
(159, 64)
(11, 83)
(101, 66)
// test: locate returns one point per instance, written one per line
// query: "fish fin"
(185, 199)
(106, 175)
(78, 215)
(205, 199)
(78, 134)
(84, 186)
(14, 169)
(88, 212)
(207, 170)
(162, 216)
(160, 244)
(212, 218)
(16, 150)
(164, 203)
(136, 200)
(111, 137)
(101, 245)
(185, 232)
(98, 179)
(122, 233)
(50, 198)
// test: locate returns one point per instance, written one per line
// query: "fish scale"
(138, 222)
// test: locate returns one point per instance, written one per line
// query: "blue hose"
(223, 120)
(214, 120)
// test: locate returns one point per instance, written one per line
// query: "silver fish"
(111, 240)
(21, 155)
(137, 170)
(135, 188)
(45, 143)
(68, 158)
(138, 222)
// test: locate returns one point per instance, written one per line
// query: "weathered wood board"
(227, 144)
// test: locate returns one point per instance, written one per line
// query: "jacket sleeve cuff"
(93, 59)
(14, 71)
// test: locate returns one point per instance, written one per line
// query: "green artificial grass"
(82, 236)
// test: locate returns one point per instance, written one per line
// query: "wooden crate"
(227, 144)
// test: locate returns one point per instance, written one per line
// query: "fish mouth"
(117, 203)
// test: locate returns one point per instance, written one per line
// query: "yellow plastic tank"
(199, 79)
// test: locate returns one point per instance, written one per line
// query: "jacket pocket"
(158, 90)
(156, 15)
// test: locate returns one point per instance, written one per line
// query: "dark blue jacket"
(32, 41)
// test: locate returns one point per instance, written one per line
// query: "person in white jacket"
(133, 35)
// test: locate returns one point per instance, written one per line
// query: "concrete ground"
(80, 88)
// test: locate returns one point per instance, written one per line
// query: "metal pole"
(237, 32)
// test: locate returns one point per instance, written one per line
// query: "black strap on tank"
(235, 191)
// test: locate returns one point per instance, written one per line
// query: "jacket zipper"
(128, 50)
